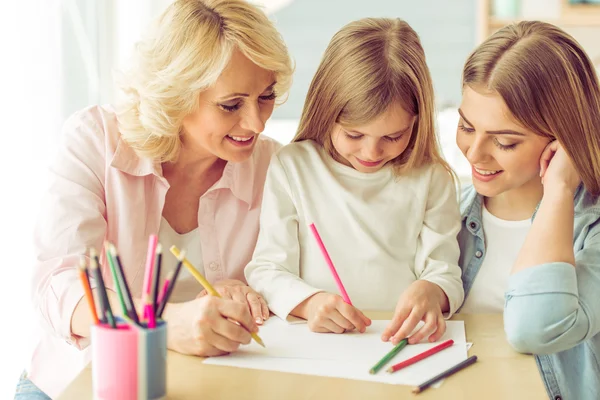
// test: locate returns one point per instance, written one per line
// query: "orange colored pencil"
(88, 290)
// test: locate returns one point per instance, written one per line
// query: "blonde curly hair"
(190, 45)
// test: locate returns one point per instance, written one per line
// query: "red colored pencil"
(421, 356)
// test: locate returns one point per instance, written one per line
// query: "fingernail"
(259, 320)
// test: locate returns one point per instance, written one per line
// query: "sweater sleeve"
(436, 259)
(274, 271)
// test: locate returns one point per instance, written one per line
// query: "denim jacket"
(551, 310)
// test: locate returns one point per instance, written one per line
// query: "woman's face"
(231, 113)
(367, 148)
(504, 156)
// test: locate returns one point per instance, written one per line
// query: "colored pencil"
(211, 290)
(105, 308)
(156, 277)
(445, 374)
(147, 289)
(336, 277)
(131, 311)
(421, 356)
(150, 312)
(87, 289)
(113, 271)
(389, 356)
(172, 279)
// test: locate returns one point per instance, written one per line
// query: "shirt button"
(478, 254)
(213, 266)
(558, 398)
(473, 225)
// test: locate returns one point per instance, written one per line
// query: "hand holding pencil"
(252, 328)
(326, 312)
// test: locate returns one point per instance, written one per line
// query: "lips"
(484, 175)
(368, 163)
(240, 141)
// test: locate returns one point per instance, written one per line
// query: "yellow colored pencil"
(207, 286)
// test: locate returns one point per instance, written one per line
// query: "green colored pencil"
(389, 356)
(113, 271)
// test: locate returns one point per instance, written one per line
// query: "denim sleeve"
(554, 307)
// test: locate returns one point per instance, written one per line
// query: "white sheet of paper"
(293, 348)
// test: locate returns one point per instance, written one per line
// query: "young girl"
(365, 169)
(531, 108)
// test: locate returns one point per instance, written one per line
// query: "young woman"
(530, 240)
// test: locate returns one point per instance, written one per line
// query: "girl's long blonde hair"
(184, 54)
(368, 65)
(549, 85)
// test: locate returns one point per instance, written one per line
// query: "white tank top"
(187, 287)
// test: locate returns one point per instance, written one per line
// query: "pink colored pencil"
(164, 291)
(147, 289)
(336, 277)
(421, 356)
(149, 311)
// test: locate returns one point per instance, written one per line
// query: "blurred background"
(59, 56)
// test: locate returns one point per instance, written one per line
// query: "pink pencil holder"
(129, 363)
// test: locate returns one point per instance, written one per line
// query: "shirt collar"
(239, 179)
(126, 159)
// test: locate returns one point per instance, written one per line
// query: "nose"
(373, 150)
(251, 119)
(476, 151)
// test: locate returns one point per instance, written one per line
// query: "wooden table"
(500, 373)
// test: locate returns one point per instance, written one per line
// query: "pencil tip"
(416, 390)
(372, 371)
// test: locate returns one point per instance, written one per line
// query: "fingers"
(426, 330)
(341, 321)
(226, 336)
(547, 155)
(441, 329)
(265, 308)
(255, 307)
(399, 317)
(238, 312)
(224, 292)
(407, 326)
(353, 316)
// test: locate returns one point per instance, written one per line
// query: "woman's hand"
(326, 312)
(422, 301)
(557, 170)
(207, 326)
(238, 291)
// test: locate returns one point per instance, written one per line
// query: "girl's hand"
(207, 326)
(557, 170)
(422, 301)
(326, 312)
(238, 291)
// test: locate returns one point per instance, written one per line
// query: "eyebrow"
(499, 132)
(391, 134)
(233, 95)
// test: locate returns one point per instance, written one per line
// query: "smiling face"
(232, 112)
(504, 156)
(368, 147)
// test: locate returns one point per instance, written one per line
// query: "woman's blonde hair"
(368, 65)
(549, 85)
(186, 52)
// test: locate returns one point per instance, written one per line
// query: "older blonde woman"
(181, 157)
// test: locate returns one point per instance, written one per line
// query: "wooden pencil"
(83, 276)
(445, 374)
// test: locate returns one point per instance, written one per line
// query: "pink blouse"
(101, 190)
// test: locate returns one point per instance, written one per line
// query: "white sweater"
(382, 232)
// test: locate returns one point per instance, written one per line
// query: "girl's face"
(504, 156)
(367, 148)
